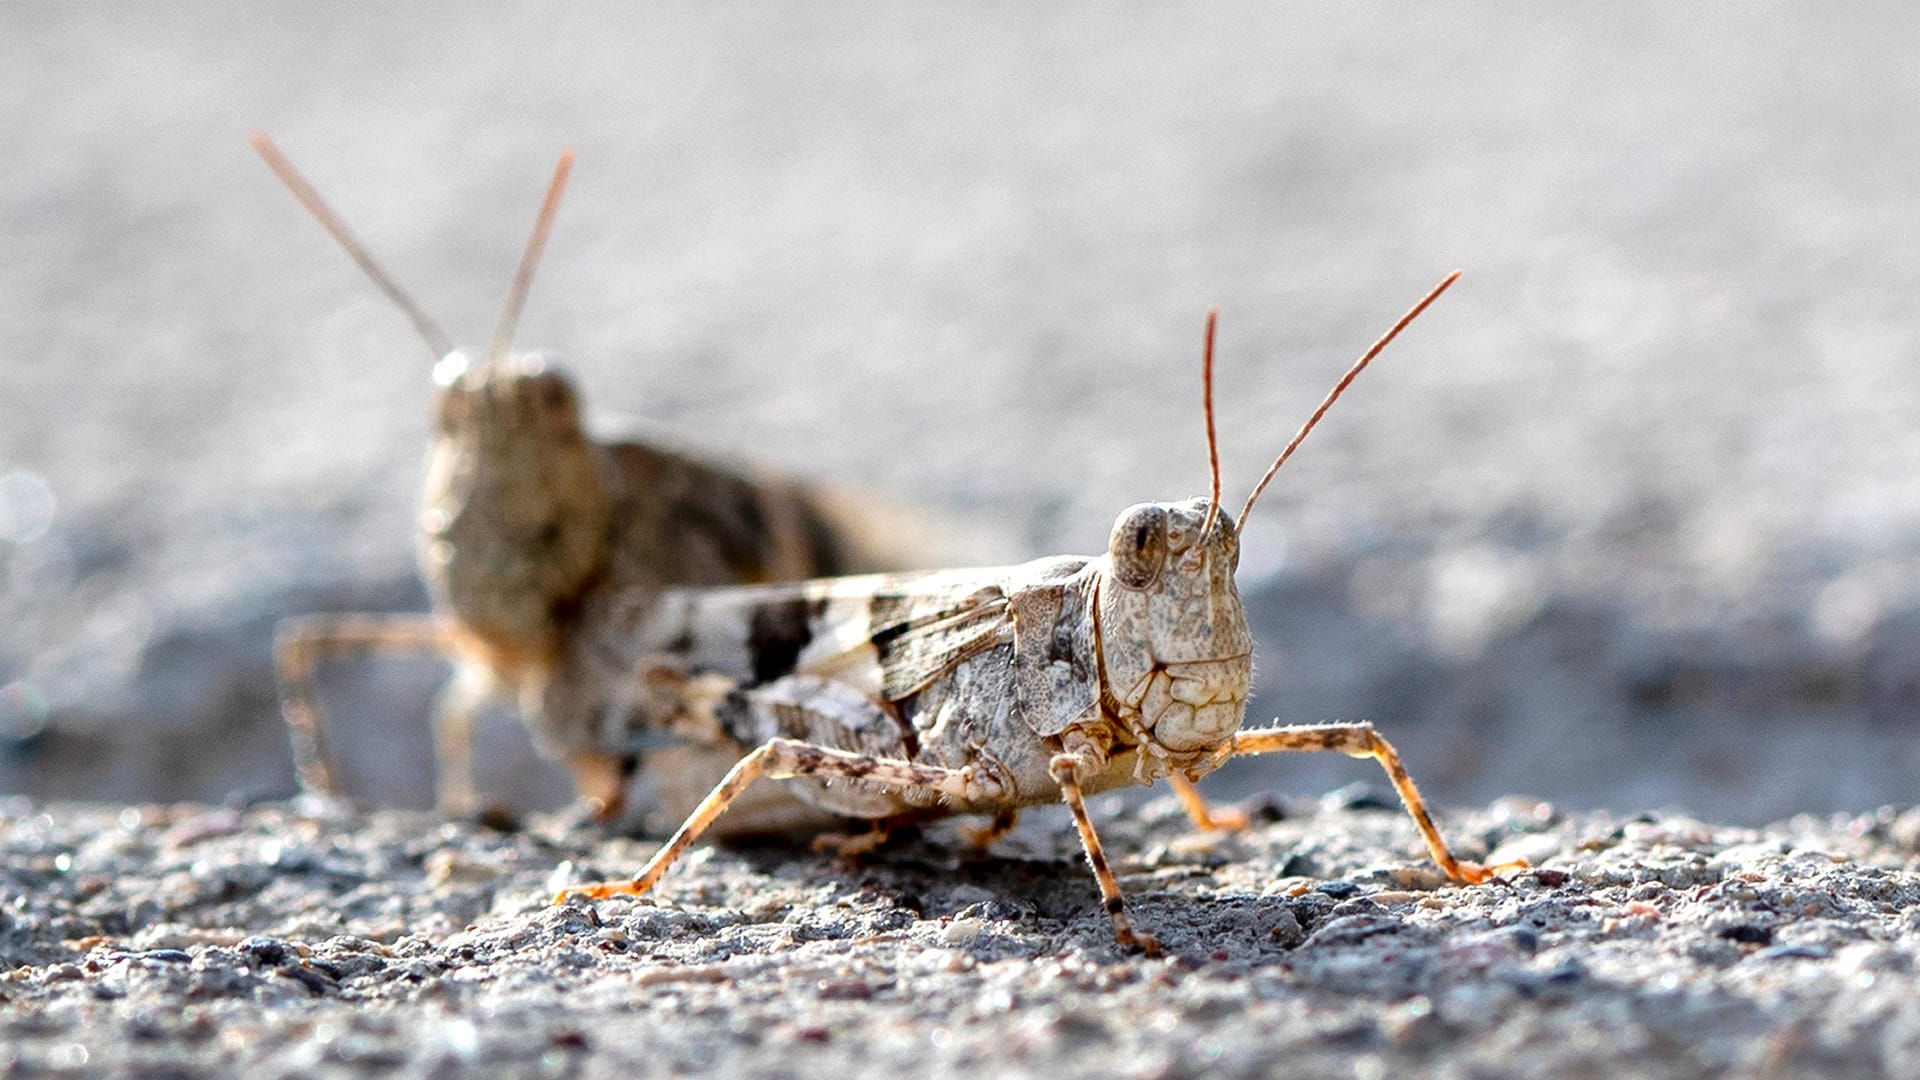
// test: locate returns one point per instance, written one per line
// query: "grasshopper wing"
(914, 632)
(920, 638)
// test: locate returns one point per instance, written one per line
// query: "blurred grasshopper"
(894, 697)
(531, 533)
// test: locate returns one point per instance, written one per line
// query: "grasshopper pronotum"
(532, 533)
(983, 691)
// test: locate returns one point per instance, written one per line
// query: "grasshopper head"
(1173, 637)
(1174, 646)
(514, 518)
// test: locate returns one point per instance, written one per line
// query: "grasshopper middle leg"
(1203, 814)
(1361, 740)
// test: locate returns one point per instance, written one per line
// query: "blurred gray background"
(1629, 518)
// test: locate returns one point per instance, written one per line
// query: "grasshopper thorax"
(514, 516)
(1174, 644)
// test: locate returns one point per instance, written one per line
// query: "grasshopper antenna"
(1340, 388)
(1213, 441)
(435, 337)
(530, 259)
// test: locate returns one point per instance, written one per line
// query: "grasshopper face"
(1174, 643)
(514, 519)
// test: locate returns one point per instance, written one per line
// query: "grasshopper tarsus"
(600, 781)
(1474, 873)
(879, 833)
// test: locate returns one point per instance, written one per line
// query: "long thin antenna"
(435, 337)
(1341, 386)
(530, 259)
(1213, 441)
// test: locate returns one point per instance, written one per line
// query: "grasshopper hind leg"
(846, 753)
(1361, 740)
(782, 758)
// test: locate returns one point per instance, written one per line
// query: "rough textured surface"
(188, 941)
(1627, 520)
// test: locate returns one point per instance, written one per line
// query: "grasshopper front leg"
(1081, 757)
(780, 758)
(298, 647)
(1361, 740)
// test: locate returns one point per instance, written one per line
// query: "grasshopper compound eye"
(553, 400)
(549, 389)
(1138, 546)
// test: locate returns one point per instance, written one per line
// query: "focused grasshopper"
(532, 535)
(895, 697)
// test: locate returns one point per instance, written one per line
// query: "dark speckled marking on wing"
(922, 636)
(777, 633)
(890, 636)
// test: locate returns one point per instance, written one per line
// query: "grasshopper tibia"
(1360, 740)
(1088, 759)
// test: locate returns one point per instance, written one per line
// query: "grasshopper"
(531, 533)
(894, 697)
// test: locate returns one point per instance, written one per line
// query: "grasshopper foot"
(1225, 819)
(851, 845)
(599, 890)
(498, 817)
(1473, 873)
(1146, 944)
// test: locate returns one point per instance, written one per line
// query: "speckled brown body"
(984, 690)
(533, 536)
(989, 670)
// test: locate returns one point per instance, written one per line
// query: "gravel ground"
(281, 940)
(1628, 521)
